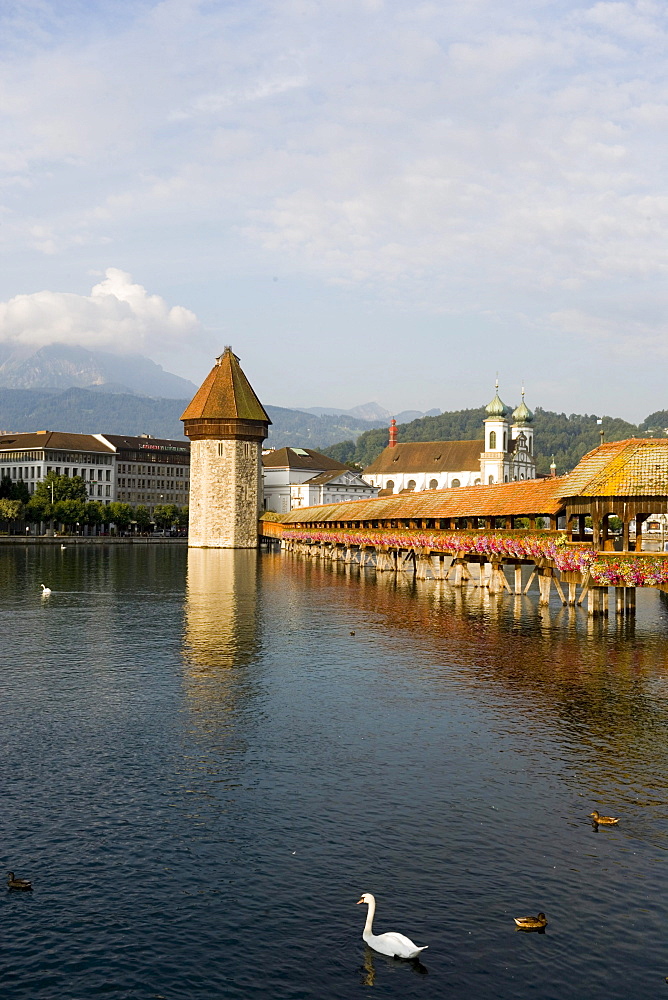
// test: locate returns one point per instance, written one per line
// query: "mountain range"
(372, 412)
(79, 390)
(61, 366)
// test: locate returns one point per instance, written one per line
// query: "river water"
(202, 769)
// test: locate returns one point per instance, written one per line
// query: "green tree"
(69, 511)
(10, 510)
(166, 515)
(142, 517)
(93, 514)
(14, 491)
(184, 515)
(121, 514)
(48, 501)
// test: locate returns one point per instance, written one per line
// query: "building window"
(505, 441)
(491, 480)
(411, 484)
(433, 484)
(390, 485)
(221, 449)
(492, 440)
(456, 482)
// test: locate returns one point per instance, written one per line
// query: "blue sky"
(369, 199)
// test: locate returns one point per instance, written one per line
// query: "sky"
(387, 200)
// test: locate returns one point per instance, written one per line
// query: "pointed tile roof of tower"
(225, 394)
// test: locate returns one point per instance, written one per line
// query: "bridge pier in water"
(462, 570)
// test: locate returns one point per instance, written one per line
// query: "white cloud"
(480, 158)
(118, 316)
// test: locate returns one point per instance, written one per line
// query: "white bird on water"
(390, 943)
(46, 591)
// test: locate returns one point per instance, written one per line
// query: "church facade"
(506, 453)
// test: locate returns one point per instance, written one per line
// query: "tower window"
(492, 440)
(221, 449)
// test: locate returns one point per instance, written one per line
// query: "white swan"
(46, 591)
(391, 943)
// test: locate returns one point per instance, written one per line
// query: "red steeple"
(393, 433)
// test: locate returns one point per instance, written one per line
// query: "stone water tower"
(226, 424)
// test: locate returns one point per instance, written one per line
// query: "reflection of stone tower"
(226, 424)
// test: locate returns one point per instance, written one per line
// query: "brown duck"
(531, 923)
(17, 883)
(603, 820)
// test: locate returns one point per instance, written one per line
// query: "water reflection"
(368, 972)
(596, 679)
(221, 635)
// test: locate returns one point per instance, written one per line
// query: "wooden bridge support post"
(518, 579)
(422, 564)
(619, 601)
(593, 602)
(461, 571)
(572, 593)
(544, 585)
(597, 601)
(630, 600)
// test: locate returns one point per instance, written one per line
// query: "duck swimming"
(531, 923)
(17, 883)
(605, 820)
(390, 943)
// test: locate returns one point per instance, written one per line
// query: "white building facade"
(301, 477)
(29, 457)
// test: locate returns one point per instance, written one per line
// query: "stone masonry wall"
(224, 494)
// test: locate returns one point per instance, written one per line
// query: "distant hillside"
(372, 413)
(57, 367)
(568, 438)
(88, 411)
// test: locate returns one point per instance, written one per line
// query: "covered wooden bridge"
(473, 535)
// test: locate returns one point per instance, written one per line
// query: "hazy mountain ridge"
(88, 411)
(373, 413)
(61, 366)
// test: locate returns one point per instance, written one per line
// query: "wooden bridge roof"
(635, 467)
(529, 496)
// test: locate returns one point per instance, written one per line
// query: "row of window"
(179, 471)
(161, 484)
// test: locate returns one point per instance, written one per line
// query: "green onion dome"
(522, 415)
(497, 408)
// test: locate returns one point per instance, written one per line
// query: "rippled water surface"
(202, 769)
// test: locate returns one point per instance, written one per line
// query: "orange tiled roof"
(526, 497)
(428, 456)
(635, 467)
(225, 394)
